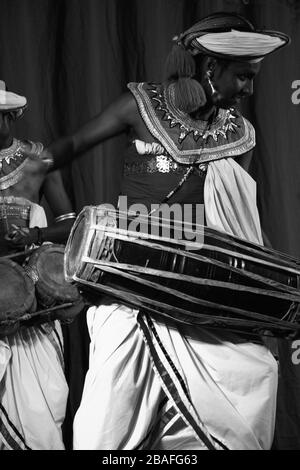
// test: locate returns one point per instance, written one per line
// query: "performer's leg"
(33, 390)
(231, 383)
(122, 395)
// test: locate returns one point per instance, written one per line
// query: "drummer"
(33, 386)
(22, 220)
(151, 384)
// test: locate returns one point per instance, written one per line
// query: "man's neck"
(206, 113)
(6, 142)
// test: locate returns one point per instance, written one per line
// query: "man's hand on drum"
(20, 236)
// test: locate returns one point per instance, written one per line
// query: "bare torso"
(29, 186)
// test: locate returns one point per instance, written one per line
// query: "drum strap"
(176, 189)
(188, 173)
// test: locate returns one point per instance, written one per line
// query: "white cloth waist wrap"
(33, 388)
(230, 200)
(214, 381)
(37, 216)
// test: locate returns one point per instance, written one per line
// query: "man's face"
(6, 119)
(233, 82)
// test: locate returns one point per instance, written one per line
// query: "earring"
(209, 75)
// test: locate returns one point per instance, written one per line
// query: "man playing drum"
(33, 386)
(152, 384)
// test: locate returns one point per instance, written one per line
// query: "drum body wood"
(224, 277)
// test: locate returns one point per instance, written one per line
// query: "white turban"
(230, 36)
(11, 101)
(240, 43)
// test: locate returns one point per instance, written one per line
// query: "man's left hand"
(21, 236)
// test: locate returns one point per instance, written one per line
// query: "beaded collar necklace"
(11, 152)
(222, 123)
(12, 163)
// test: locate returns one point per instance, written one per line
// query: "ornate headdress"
(223, 35)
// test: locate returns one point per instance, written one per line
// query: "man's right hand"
(20, 237)
(47, 158)
(38, 164)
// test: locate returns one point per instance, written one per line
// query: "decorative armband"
(61, 218)
(48, 159)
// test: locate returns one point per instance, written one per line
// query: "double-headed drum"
(221, 282)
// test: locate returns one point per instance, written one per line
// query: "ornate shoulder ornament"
(186, 139)
(13, 161)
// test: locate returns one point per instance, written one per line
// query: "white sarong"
(33, 388)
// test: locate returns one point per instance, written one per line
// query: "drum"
(221, 282)
(17, 296)
(46, 269)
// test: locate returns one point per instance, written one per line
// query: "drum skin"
(84, 240)
(46, 269)
(17, 296)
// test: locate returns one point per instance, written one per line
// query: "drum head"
(17, 293)
(46, 268)
(77, 243)
(88, 239)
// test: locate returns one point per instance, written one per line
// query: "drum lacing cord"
(292, 312)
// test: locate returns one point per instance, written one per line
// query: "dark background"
(71, 58)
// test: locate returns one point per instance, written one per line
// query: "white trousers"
(126, 405)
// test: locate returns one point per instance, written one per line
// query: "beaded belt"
(160, 164)
(14, 211)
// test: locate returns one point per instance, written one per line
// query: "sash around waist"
(14, 211)
(160, 164)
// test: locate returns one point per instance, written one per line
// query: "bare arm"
(60, 204)
(111, 122)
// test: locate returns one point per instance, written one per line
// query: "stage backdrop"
(71, 58)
